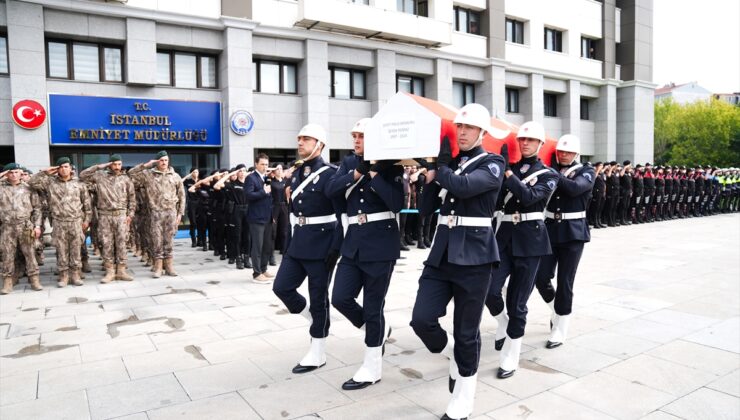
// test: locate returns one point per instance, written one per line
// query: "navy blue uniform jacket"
(313, 242)
(472, 193)
(527, 239)
(573, 194)
(372, 241)
(260, 202)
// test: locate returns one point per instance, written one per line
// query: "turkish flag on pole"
(29, 114)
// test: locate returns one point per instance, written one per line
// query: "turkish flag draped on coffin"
(406, 125)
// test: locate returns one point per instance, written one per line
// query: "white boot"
(503, 323)
(449, 351)
(559, 333)
(370, 371)
(510, 357)
(553, 315)
(463, 399)
(315, 358)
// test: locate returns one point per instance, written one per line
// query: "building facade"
(684, 93)
(578, 66)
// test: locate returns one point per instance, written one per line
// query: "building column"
(635, 122)
(607, 46)
(531, 101)
(381, 80)
(494, 25)
(314, 86)
(571, 108)
(441, 82)
(492, 92)
(605, 123)
(141, 52)
(235, 74)
(26, 51)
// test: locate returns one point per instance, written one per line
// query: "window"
(347, 83)
(514, 31)
(512, 100)
(84, 61)
(186, 70)
(467, 21)
(553, 40)
(4, 54)
(551, 105)
(365, 2)
(413, 7)
(588, 48)
(584, 109)
(463, 93)
(275, 77)
(410, 84)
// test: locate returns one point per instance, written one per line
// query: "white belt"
(469, 221)
(363, 218)
(316, 220)
(521, 217)
(565, 216)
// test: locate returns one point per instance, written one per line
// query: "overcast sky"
(697, 41)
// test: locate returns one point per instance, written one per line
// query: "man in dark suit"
(463, 252)
(522, 241)
(373, 195)
(259, 215)
(567, 230)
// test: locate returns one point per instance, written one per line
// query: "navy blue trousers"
(467, 286)
(373, 278)
(565, 258)
(289, 278)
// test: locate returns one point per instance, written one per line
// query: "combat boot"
(75, 277)
(35, 283)
(86, 265)
(63, 278)
(7, 285)
(121, 273)
(110, 274)
(157, 268)
(168, 268)
(239, 263)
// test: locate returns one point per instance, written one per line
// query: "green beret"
(114, 158)
(161, 154)
(63, 160)
(11, 166)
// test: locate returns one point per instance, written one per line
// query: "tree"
(705, 133)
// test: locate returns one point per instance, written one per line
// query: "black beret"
(638, 166)
(63, 160)
(240, 166)
(626, 162)
(598, 163)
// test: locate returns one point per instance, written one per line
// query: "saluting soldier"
(669, 193)
(116, 206)
(314, 246)
(196, 236)
(522, 241)
(568, 232)
(625, 194)
(659, 193)
(638, 188)
(70, 208)
(463, 253)
(166, 197)
(20, 217)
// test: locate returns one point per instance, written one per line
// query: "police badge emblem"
(533, 181)
(306, 171)
(525, 168)
(463, 159)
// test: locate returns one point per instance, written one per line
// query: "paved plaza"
(655, 335)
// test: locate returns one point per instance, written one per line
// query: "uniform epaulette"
(331, 165)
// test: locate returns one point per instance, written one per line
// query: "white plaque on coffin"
(402, 129)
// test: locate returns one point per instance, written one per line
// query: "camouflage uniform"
(166, 203)
(20, 212)
(69, 204)
(140, 224)
(116, 201)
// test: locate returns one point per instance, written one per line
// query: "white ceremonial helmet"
(315, 131)
(569, 143)
(532, 130)
(360, 125)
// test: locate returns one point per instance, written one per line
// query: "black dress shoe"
(499, 344)
(231, 261)
(216, 253)
(421, 245)
(404, 247)
(553, 344)
(451, 384)
(503, 374)
(299, 368)
(351, 385)
(446, 417)
(222, 257)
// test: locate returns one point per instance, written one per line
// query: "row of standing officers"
(523, 221)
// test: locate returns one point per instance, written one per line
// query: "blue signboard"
(102, 121)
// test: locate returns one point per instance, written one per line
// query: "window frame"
(586, 102)
(69, 46)
(591, 42)
(412, 79)
(468, 12)
(512, 93)
(352, 73)
(557, 41)
(515, 24)
(465, 85)
(417, 8)
(281, 74)
(198, 70)
(545, 97)
(4, 36)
